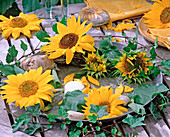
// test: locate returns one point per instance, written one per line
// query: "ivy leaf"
(75, 134)
(49, 126)
(32, 128)
(63, 127)
(9, 58)
(132, 45)
(144, 93)
(23, 119)
(67, 121)
(127, 49)
(42, 35)
(5, 4)
(153, 53)
(18, 70)
(74, 101)
(23, 46)
(10, 70)
(79, 124)
(97, 128)
(34, 110)
(62, 112)
(85, 129)
(100, 111)
(154, 112)
(100, 135)
(12, 51)
(133, 121)
(114, 131)
(30, 5)
(51, 118)
(166, 63)
(92, 118)
(139, 109)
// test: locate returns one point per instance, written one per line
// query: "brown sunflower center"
(105, 103)
(28, 88)
(165, 15)
(128, 67)
(18, 22)
(68, 41)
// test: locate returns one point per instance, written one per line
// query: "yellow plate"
(142, 30)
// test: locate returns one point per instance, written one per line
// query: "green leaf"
(166, 63)
(100, 135)
(23, 119)
(10, 70)
(132, 45)
(153, 53)
(34, 110)
(9, 58)
(127, 49)
(63, 127)
(68, 121)
(23, 46)
(62, 112)
(79, 124)
(42, 35)
(49, 126)
(30, 5)
(144, 93)
(12, 51)
(18, 70)
(100, 111)
(123, 34)
(5, 4)
(74, 101)
(75, 134)
(52, 118)
(139, 109)
(97, 128)
(85, 129)
(154, 112)
(119, 133)
(32, 128)
(133, 121)
(114, 131)
(92, 118)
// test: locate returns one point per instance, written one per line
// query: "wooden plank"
(4, 119)
(156, 128)
(140, 130)
(56, 129)
(4, 49)
(166, 112)
(7, 132)
(76, 8)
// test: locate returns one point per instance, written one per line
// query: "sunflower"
(29, 88)
(95, 65)
(104, 96)
(71, 39)
(23, 24)
(134, 64)
(159, 15)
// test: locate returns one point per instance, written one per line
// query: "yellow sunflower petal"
(92, 80)
(128, 89)
(119, 90)
(69, 56)
(69, 77)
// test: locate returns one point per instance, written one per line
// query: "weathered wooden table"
(152, 128)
